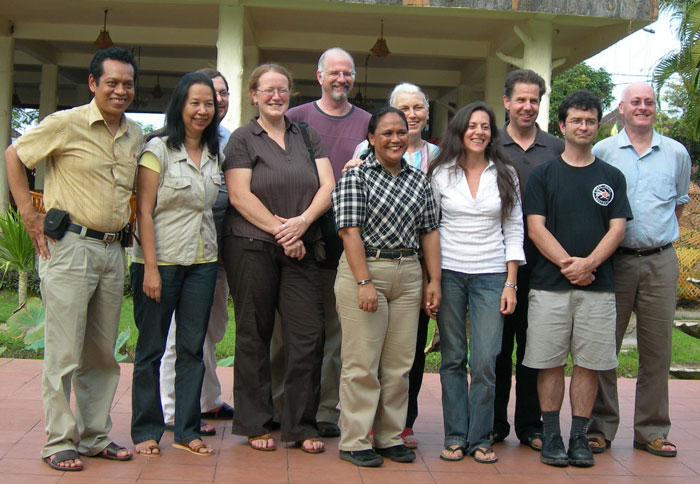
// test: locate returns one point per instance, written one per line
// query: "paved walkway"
(21, 437)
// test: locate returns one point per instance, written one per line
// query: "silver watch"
(510, 284)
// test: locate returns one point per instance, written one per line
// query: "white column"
(537, 56)
(493, 87)
(229, 58)
(7, 48)
(251, 59)
(48, 101)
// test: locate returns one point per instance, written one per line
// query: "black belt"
(642, 252)
(108, 237)
(389, 253)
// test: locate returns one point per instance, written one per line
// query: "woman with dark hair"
(174, 261)
(481, 236)
(385, 214)
(279, 184)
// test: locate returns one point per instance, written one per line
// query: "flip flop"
(312, 450)
(150, 448)
(453, 448)
(194, 450)
(484, 450)
(531, 438)
(111, 452)
(63, 456)
(264, 437)
(409, 438)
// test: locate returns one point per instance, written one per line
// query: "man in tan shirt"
(90, 154)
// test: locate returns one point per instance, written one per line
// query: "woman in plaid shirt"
(385, 214)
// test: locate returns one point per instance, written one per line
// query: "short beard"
(339, 96)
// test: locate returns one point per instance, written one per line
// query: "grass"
(685, 348)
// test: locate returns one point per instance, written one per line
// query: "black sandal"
(63, 456)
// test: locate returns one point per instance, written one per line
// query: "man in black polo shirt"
(528, 147)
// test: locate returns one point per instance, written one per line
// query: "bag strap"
(307, 141)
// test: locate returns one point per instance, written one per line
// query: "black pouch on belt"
(56, 223)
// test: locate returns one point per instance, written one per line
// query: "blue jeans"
(189, 291)
(468, 415)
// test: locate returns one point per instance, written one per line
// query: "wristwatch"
(510, 284)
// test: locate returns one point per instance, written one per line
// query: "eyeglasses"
(590, 123)
(223, 93)
(271, 92)
(347, 74)
(636, 103)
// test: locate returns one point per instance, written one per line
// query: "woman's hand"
(432, 296)
(295, 250)
(152, 283)
(508, 300)
(351, 164)
(367, 296)
(291, 229)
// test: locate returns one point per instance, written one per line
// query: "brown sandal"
(264, 437)
(656, 447)
(601, 443)
(312, 450)
(195, 449)
(150, 448)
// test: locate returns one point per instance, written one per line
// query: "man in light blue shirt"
(657, 170)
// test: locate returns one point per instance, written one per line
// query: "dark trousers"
(415, 377)
(263, 279)
(189, 290)
(527, 405)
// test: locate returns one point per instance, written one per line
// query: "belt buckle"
(110, 237)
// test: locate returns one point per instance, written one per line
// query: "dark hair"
(582, 99)
(523, 76)
(213, 74)
(379, 114)
(110, 53)
(174, 127)
(452, 148)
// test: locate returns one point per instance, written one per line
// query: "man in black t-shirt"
(576, 207)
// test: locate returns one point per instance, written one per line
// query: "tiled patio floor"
(22, 435)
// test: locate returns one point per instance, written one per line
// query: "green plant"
(121, 343)
(27, 323)
(16, 249)
(228, 361)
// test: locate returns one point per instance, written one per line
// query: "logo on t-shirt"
(603, 194)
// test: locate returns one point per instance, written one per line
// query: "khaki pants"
(82, 286)
(647, 286)
(377, 352)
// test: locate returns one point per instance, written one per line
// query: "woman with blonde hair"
(279, 185)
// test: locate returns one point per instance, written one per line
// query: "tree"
(16, 249)
(580, 76)
(676, 120)
(684, 63)
(23, 117)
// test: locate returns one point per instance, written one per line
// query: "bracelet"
(364, 282)
(510, 284)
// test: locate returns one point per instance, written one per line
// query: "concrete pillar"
(48, 101)
(230, 58)
(496, 71)
(251, 59)
(7, 49)
(537, 56)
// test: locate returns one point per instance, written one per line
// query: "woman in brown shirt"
(278, 193)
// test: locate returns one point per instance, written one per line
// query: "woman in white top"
(481, 235)
(414, 103)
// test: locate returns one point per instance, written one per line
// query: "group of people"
(340, 234)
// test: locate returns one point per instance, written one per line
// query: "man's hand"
(578, 270)
(35, 228)
(291, 229)
(508, 300)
